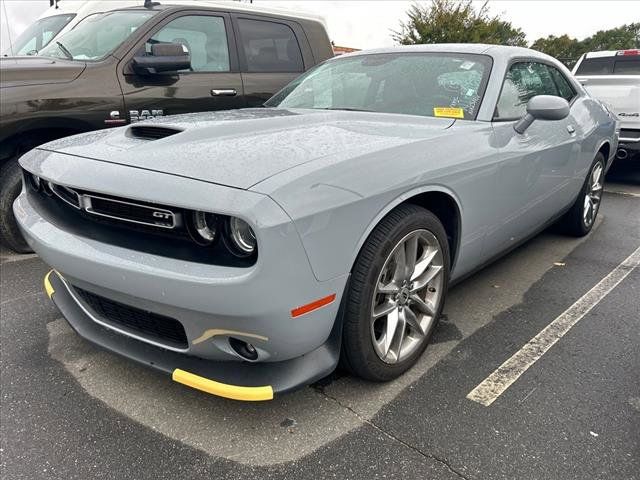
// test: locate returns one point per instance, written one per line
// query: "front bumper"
(237, 380)
(214, 304)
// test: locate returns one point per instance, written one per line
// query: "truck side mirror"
(164, 57)
(543, 107)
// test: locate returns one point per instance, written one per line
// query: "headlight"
(203, 227)
(242, 238)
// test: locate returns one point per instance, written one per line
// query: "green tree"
(569, 49)
(563, 48)
(626, 36)
(456, 21)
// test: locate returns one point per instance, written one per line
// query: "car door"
(536, 168)
(272, 53)
(212, 83)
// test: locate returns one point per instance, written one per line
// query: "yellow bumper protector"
(234, 392)
(47, 285)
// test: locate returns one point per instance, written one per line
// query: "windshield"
(97, 36)
(38, 35)
(426, 84)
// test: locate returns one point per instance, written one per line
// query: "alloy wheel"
(594, 194)
(407, 296)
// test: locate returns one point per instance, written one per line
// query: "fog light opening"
(244, 349)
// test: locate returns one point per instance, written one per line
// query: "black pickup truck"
(141, 62)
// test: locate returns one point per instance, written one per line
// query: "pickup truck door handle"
(571, 129)
(228, 92)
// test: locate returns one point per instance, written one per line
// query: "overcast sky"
(367, 24)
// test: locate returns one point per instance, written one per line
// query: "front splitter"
(234, 380)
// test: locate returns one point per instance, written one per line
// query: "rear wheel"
(580, 219)
(396, 294)
(10, 187)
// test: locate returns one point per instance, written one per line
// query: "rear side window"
(627, 65)
(270, 47)
(204, 36)
(595, 66)
(523, 81)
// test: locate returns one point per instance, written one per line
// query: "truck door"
(212, 83)
(272, 53)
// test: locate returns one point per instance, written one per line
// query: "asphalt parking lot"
(70, 410)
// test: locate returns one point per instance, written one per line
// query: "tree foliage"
(456, 21)
(569, 49)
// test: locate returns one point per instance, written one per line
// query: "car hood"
(240, 148)
(17, 71)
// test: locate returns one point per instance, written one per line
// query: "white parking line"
(621, 192)
(507, 373)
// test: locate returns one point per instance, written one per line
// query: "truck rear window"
(619, 65)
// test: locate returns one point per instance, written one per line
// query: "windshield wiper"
(65, 50)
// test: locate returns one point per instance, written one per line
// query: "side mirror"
(543, 107)
(164, 57)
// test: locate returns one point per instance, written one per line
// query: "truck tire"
(10, 187)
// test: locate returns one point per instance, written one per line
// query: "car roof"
(502, 51)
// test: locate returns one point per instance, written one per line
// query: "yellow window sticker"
(452, 112)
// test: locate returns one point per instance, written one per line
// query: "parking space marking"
(621, 192)
(507, 373)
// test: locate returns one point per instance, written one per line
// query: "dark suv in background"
(136, 63)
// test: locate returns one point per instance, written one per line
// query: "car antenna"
(150, 4)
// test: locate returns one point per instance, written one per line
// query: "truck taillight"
(628, 52)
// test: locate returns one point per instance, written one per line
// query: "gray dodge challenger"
(246, 253)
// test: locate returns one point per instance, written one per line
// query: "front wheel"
(579, 220)
(396, 294)
(10, 186)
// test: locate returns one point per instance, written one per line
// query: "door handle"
(571, 129)
(228, 92)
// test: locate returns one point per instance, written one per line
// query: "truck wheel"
(10, 187)
(396, 293)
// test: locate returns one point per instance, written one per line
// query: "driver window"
(523, 81)
(205, 37)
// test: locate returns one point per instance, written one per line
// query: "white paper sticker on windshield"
(467, 65)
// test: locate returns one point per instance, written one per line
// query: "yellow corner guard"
(47, 285)
(234, 392)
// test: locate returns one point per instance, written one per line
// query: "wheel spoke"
(401, 264)
(425, 307)
(428, 276)
(388, 289)
(384, 309)
(392, 324)
(396, 341)
(411, 256)
(424, 262)
(412, 320)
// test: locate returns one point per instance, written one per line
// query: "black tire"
(573, 222)
(10, 187)
(358, 355)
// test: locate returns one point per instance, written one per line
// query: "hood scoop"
(151, 132)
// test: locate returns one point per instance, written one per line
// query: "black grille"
(132, 212)
(149, 132)
(151, 325)
(628, 133)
